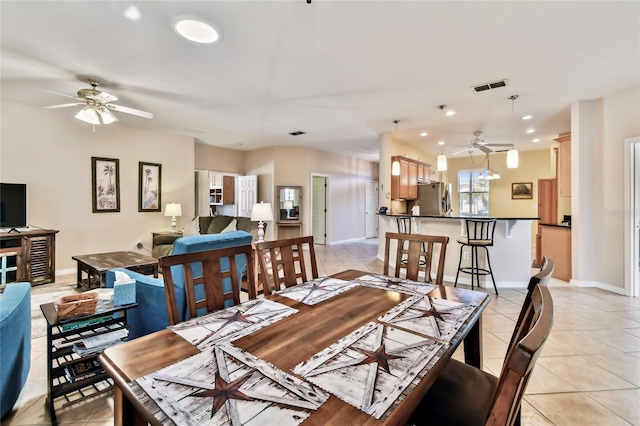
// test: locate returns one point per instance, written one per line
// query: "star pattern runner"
(371, 367)
(400, 285)
(225, 385)
(317, 290)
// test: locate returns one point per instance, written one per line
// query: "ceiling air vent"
(298, 133)
(489, 86)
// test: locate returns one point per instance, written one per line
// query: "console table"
(28, 256)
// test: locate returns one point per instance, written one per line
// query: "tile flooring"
(588, 374)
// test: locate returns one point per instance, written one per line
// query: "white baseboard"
(597, 284)
(66, 271)
(352, 240)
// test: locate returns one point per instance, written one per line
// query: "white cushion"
(230, 227)
(191, 229)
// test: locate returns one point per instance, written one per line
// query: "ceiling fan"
(97, 105)
(481, 145)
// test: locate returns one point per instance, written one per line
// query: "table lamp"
(261, 212)
(173, 210)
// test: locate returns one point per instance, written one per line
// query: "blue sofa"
(15, 341)
(151, 313)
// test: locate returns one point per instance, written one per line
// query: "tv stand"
(28, 256)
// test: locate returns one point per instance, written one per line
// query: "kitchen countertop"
(424, 216)
(557, 225)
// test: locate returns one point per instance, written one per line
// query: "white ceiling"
(341, 71)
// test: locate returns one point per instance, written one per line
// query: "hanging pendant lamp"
(395, 165)
(441, 161)
(512, 154)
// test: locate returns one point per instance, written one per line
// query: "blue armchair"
(151, 313)
(15, 340)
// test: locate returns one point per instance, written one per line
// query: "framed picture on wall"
(522, 190)
(105, 184)
(149, 187)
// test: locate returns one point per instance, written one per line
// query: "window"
(473, 194)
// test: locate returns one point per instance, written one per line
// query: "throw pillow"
(218, 223)
(230, 227)
(191, 229)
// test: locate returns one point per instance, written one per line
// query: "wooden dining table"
(293, 340)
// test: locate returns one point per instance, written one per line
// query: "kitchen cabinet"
(213, 189)
(556, 244)
(564, 165)
(405, 186)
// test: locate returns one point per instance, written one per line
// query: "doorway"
(319, 191)
(632, 221)
(371, 208)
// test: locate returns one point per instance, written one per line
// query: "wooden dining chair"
(419, 251)
(211, 278)
(467, 396)
(283, 262)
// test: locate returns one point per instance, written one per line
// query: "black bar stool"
(479, 235)
(404, 227)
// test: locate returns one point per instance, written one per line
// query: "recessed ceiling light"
(527, 117)
(536, 140)
(531, 130)
(196, 30)
(132, 13)
(441, 143)
(424, 134)
(450, 113)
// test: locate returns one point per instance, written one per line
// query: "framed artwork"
(522, 190)
(105, 184)
(149, 187)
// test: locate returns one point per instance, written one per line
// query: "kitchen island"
(511, 254)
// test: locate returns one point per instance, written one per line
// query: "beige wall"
(226, 160)
(598, 131)
(51, 152)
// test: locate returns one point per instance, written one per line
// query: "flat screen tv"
(13, 205)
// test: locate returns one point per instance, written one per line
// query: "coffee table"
(97, 265)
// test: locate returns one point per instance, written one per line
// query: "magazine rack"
(72, 377)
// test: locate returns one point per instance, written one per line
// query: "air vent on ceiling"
(298, 133)
(489, 86)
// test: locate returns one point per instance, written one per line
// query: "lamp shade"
(261, 212)
(441, 163)
(88, 115)
(395, 168)
(512, 159)
(173, 209)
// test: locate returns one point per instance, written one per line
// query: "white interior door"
(319, 209)
(246, 194)
(632, 222)
(371, 207)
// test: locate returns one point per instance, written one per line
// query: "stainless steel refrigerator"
(434, 199)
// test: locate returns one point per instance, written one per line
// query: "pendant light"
(441, 162)
(395, 165)
(512, 154)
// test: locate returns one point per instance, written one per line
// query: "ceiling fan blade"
(504, 145)
(128, 110)
(484, 149)
(460, 151)
(65, 105)
(60, 94)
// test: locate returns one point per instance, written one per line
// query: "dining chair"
(211, 279)
(419, 251)
(464, 395)
(283, 262)
(541, 278)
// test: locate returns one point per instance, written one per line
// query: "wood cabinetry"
(29, 256)
(556, 244)
(564, 165)
(405, 186)
(213, 189)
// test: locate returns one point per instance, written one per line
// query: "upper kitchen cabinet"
(213, 189)
(405, 185)
(564, 165)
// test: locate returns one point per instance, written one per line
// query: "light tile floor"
(588, 373)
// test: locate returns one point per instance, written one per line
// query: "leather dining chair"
(211, 279)
(464, 395)
(418, 251)
(283, 262)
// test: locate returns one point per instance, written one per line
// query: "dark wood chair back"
(419, 251)
(204, 272)
(541, 278)
(521, 358)
(282, 262)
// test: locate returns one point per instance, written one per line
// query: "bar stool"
(479, 235)
(404, 227)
